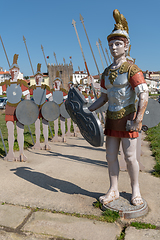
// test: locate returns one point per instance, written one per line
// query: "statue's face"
(38, 79)
(14, 73)
(57, 84)
(117, 48)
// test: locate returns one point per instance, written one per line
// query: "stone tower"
(65, 72)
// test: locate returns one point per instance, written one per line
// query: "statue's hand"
(133, 125)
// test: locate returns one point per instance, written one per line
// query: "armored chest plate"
(39, 95)
(58, 97)
(14, 93)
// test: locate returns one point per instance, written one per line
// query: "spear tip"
(24, 39)
(97, 44)
(99, 40)
(81, 18)
(73, 22)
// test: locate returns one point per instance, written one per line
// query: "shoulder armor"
(124, 67)
(133, 70)
(32, 87)
(22, 82)
(64, 90)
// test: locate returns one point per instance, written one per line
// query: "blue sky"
(49, 23)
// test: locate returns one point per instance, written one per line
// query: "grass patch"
(153, 135)
(107, 215)
(110, 216)
(27, 136)
(97, 204)
(140, 225)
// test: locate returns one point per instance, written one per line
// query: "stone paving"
(68, 179)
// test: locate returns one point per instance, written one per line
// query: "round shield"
(152, 114)
(27, 112)
(58, 97)
(14, 93)
(39, 95)
(50, 111)
(63, 111)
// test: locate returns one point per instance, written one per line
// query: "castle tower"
(65, 72)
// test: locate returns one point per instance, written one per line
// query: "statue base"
(125, 208)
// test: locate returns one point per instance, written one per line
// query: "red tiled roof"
(2, 72)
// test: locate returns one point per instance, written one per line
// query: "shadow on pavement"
(74, 158)
(49, 183)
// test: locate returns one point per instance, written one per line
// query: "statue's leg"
(62, 122)
(20, 139)
(68, 133)
(10, 155)
(112, 148)
(37, 133)
(129, 148)
(55, 139)
(75, 129)
(45, 134)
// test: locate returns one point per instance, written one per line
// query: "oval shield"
(27, 112)
(14, 93)
(87, 121)
(50, 111)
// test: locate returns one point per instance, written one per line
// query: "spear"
(28, 54)
(103, 51)
(108, 55)
(97, 44)
(81, 19)
(33, 74)
(66, 67)
(46, 63)
(5, 51)
(51, 83)
(74, 24)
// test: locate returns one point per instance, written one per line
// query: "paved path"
(69, 178)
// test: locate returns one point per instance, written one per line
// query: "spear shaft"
(58, 67)
(5, 51)
(97, 44)
(85, 63)
(28, 54)
(46, 64)
(81, 19)
(100, 43)
(108, 55)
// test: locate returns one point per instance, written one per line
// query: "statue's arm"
(99, 102)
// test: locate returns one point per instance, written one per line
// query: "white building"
(78, 75)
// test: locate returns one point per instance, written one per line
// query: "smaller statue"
(40, 93)
(15, 88)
